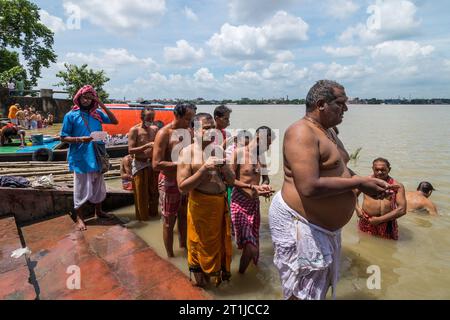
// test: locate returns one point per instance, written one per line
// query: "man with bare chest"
(378, 217)
(245, 206)
(204, 173)
(145, 180)
(317, 197)
(168, 143)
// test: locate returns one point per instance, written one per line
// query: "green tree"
(21, 28)
(75, 77)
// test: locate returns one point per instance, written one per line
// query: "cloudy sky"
(255, 48)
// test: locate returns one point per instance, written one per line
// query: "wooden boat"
(128, 115)
(29, 204)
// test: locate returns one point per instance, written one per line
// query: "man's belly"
(331, 213)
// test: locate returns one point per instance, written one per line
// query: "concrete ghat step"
(114, 264)
(14, 273)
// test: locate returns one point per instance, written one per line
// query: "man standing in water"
(378, 217)
(203, 173)
(173, 203)
(145, 180)
(248, 187)
(419, 200)
(78, 124)
(317, 197)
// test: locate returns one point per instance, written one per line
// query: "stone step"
(114, 263)
(14, 273)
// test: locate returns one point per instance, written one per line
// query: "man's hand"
(374, 188)
(374, 221)
(85, 139)
(264, 190)
(211, 164)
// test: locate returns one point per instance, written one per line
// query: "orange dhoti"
(209, 235)
(145, 186)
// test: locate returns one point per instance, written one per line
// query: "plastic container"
(37, 139)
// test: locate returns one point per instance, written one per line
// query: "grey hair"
(322, 90)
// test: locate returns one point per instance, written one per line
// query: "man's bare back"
(416, 201)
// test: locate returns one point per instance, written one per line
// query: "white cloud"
(203, 75)
(121, 16)
(253, 11)
(110, 60)
(54, 23)
(183, 54)
(190, 14)
(401, 50)
(348, 72)
(447, 63)
(284, 56)
(388, 20)
(245, 42)
(283, 70)
(343, 52)
(341, 9)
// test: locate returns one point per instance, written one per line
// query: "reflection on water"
(415, 140)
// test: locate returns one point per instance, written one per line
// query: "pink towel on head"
(93, 112)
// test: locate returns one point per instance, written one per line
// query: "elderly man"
(145, 180)
(173, 202)
(378, 217)
(78, 125)
(317, 197)
(419, 200)
(203, 172)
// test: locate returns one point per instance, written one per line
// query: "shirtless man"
(419, 200)
(126, 172)
(317, 197)
(145, 180)
(173, 203)
(378, 217)
(203, 174)
(10, 131)
(245, 207)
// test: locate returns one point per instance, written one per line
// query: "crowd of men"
(209, 183)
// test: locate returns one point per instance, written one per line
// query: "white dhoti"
(88, 187)
(306, 256)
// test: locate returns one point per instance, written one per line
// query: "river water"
(415, 139)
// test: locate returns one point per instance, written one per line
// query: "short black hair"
(382, 160)
(200, 116)
(425, 187)
(267, 130)
(322, 90)
(221, 111)
(181, 109)
(146, 109)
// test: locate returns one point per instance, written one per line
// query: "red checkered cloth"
(170, 197)
(246, 217)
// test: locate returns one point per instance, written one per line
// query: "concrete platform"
(114, 264)
(14, 273)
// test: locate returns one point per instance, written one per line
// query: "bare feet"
(80, 225)
(104, 215)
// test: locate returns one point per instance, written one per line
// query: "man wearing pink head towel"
(78, 124)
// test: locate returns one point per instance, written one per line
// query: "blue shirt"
(81, 156)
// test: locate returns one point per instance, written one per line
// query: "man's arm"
(185, 179)
(431, 207)
(110, 115)
(133, 149)
(397, 212)
(302, 153)
(159, 151)
(125, 171)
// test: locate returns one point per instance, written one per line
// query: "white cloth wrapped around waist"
(317, 249)
(138, 165)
